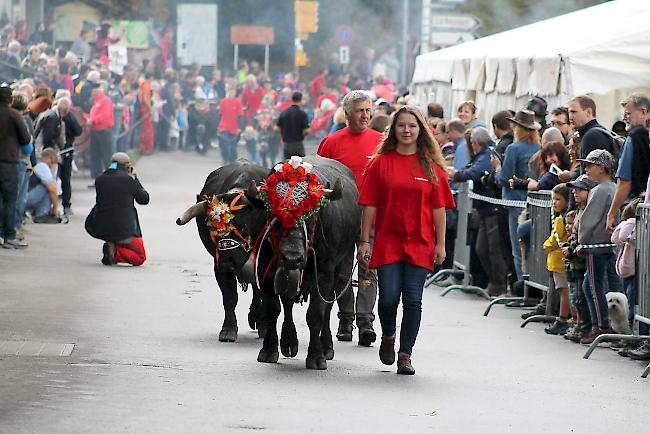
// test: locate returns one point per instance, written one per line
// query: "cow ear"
(251, 194)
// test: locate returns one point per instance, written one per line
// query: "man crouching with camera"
(114, 218)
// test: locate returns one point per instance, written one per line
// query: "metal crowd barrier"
(642, 275)
(461, 267)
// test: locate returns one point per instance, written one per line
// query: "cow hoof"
(268, 356)
(261, 333)
(316, 363)
(228, 334)
(289, 350)
(329, 354)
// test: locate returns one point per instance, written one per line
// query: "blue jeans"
(21, 201)
(513, 224)
(523, 232)
(405, 280)
(600, 279)
(228, 146)
(38, 199)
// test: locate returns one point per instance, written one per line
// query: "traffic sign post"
(344, 54)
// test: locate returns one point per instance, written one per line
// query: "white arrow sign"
(455, 22)
(451, 38)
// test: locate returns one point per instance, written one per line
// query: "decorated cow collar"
(293, 193)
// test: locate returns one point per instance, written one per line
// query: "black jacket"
(13, 134)
(641, 161)
(72, 129)
(48, 129)
(114, 217)
(594, 136)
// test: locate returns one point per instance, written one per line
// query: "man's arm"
(54, 197)
(623, 189)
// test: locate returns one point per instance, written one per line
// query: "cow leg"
(228, 284)
(255, 320)
(288, 336)
(270, 313)
(315, 315)
(326, 335)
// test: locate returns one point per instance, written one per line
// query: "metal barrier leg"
(538, 318)
(612, 337)
(440, 275)
(466, 288)
(500, 300)
(646, 372)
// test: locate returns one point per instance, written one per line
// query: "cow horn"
(253, 191)
(336, 193)
(193, 211)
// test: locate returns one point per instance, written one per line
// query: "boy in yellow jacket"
(555, 259)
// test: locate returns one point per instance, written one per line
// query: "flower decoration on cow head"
(219, 216)
(293, 193)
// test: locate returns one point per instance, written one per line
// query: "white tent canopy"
(603, 50)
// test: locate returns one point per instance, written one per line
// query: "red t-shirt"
(332, 97)
(397, 185)
(353, 150)
(230, 110)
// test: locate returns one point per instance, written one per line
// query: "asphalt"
(146, 356)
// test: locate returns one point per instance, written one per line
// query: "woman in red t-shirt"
(405, 193)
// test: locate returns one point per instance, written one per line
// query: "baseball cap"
(582, 183)
(599, 157)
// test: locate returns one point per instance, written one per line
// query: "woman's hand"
(440, 254)
(363, 253)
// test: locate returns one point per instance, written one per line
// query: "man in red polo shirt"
(354, 146)
(231, 111)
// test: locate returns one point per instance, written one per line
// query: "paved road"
(147, 358)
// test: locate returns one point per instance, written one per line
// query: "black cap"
(538, 105)
(5, 93)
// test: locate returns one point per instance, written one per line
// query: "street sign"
(252, 35)
(344, 35)
(446, 39)
(344, 54)
(455, 22)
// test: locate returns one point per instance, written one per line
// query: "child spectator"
(554, 260)
(601, 262)
(250, 137)
(625, 262)
(181, 119)
(575, 264)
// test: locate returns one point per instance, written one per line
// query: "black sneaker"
(540, 309)
(108, 249)
(47, 219)
(557, 328)
(344, 333)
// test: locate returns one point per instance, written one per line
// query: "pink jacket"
(624, 234)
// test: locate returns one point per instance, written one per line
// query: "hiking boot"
(589, 338)
(109, 254)
(557, 328)
(14, 243)
(344, 334)
(573, 333)
(367, 336)
(387, 350)
(404, 366)
(619, 345)
(642, 353)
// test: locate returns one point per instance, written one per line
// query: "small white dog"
(618, 310)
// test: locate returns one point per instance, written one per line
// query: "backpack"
(617, 141)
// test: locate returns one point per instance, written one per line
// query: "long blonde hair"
(525, 135)
(428, 148)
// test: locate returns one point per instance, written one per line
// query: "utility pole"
(425, 34)
(405, 41)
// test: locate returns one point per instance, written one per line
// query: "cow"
(231, 253)
(311, 262)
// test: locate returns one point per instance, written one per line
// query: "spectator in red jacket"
(101, 120)
(251, 98)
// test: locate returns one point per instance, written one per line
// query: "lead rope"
(347, 285)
